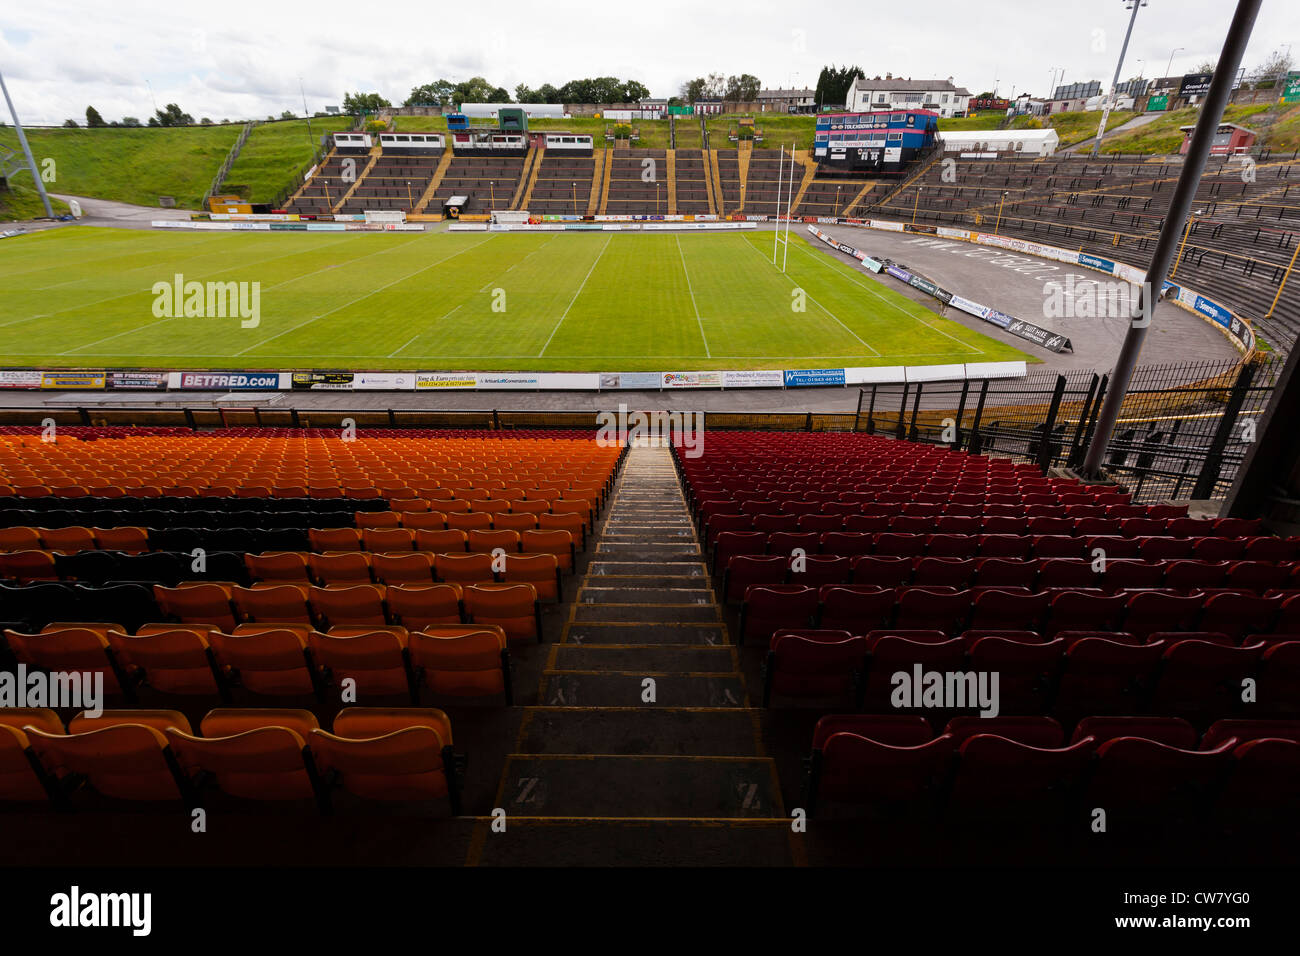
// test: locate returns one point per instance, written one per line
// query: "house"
(896, 93)
(787, 101)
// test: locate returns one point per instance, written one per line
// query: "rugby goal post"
(777, 238)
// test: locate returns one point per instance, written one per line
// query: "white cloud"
(59, 58)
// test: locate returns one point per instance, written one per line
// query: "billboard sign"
(801, 378)
(73, 379)
(338, 381)
(225, 381)
(1195, 84)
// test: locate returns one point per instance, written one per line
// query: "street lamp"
(1186, 231)
(837, 199)
(1134, 5)
(409, 200)
(1169, 65)
(999, 222)
(575, 197)
(916, 202)
(492, 195)
(329, 202)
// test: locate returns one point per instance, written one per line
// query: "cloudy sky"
(243, 59)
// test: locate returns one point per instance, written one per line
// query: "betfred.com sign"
(229, 381)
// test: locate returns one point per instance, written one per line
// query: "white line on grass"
(359, 298)
(123, 295)
(141, 328)
(699, 320)
(151, 265)
(816, 303)
(535, 251)
(575, 296)
(418, 334)
(892, 305)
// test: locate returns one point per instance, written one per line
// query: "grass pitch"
(81, 297)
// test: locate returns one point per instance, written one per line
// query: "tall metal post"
(27, 151)
(1180, 205)
(1105, 105)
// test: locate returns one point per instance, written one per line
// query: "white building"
(531, 110)
(1122, 102)
(896, 93)
(1031, 142)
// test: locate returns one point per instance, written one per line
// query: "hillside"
(132, 165)
(275, 153)
(22, 201)
(1073, 127)
(1162, 135)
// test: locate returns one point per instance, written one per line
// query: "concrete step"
(679, 633)
(628, 689)
(607, 785)
(613, 594)
(647, 658)
(638, 730)
(647, 614)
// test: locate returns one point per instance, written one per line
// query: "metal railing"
(1183, 431)
(225, 166)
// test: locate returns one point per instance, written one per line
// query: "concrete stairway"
(642, 748)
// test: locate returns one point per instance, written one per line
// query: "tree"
(833, 84)
(634, 92)
(287, 114)
(171, 115)
(93, 119)
(675, 101)
(742, 89)
(1274, 68)
(430, 93)
(205, 121)
(695, 89)
(715, 86)
(364, 103)
(478, 90)
(578, 91)
(1205, 66)
(131, 122)
(70, 124)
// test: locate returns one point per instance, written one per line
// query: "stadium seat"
(392, 755)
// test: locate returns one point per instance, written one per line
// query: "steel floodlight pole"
(789, 196)
(1234, 45)
(27, 151)
(1105, 106)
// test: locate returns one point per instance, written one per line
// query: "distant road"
(107, 212)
